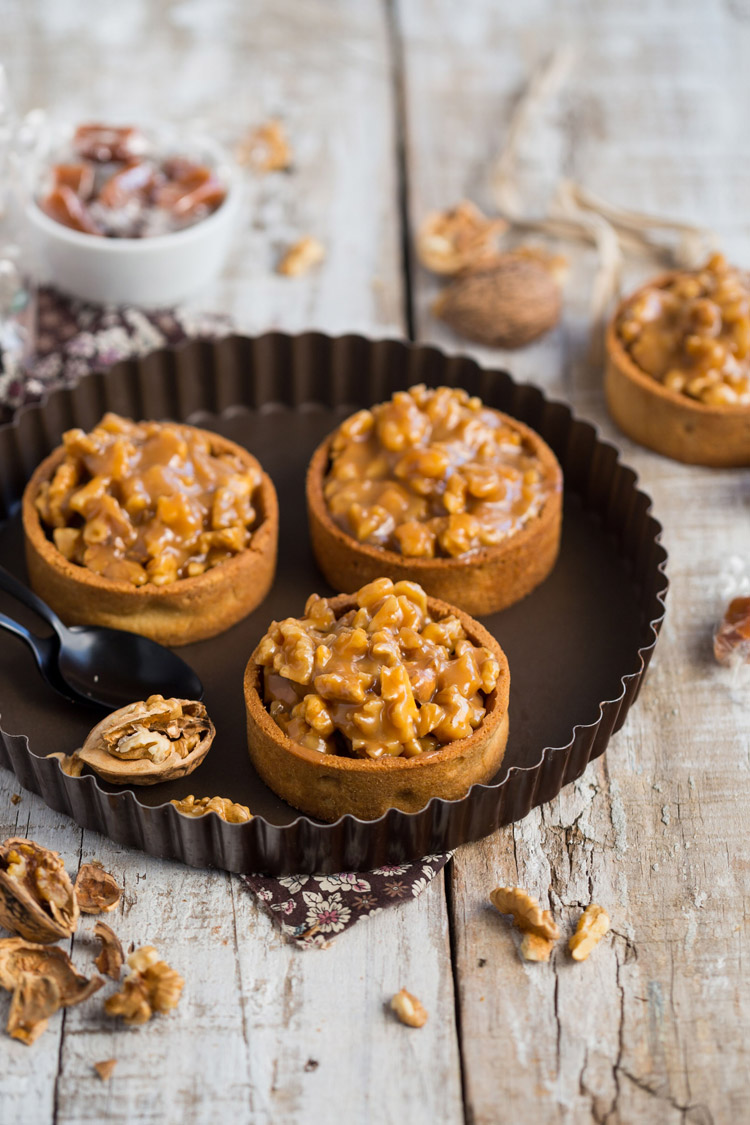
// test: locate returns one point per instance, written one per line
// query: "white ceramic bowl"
(151, 272)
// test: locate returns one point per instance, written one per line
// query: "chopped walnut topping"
(538, 927)
(592, 926)
(301, 257)
(266, 148)
(96, 890)
(408, 1009)
(105, 1068)
(111, 958)
(449, 241)
(150, 987)
(222, 806)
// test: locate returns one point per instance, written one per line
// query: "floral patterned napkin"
(311, 909)
(72, 339)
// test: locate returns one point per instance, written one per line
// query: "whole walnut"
(508, 302)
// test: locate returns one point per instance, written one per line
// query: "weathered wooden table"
(394, 108)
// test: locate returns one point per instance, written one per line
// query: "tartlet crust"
(489, 580)
(190, 609)
(667, 421)
(328, 786)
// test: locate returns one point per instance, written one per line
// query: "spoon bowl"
(94, 664)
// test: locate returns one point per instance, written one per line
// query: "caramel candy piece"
(134, 179)
(190, 187)
(103, 143)
(732, 638)
(78, 177)
(64, 206)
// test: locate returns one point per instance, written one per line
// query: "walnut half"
(37, 899)
(97, 891)
(538, 926)
(592, 926)
(151, 741)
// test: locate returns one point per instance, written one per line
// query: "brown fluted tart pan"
(577, 646)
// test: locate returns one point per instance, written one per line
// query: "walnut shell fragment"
(222, 806)
(151, 986)
(453, 240)
(592, 926)
(507, 303)
(42, 980)
(409, 1009)
(97, 891)
(70, 764)
(151, 741)
(111, 957)
(37, 899)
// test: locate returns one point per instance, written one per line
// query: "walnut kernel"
(265, 148)
(408, 1009)
(150, 987)
(453, 240)
(592, 926)
(526, 911)
(301, 257)
(222, 806)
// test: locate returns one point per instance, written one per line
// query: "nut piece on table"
(265, 148)
(151, 986)
(592, 926)
(42, 980)
(97, 891)
(37, 899)
(111, 958)
(508, 302)
(408, 1009)
(301, 257)
(70, 764)
(450, 241)
(222, 806)
(732, 638)
(148, 742)
(538, 927)
(105, 1068)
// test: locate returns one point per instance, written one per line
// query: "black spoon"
(93, 664)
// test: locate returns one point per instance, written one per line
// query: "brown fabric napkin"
(312, 909)
(73, 339)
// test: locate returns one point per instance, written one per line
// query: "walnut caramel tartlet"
(436, 488)
(156, 528)
(678, 365)
(377, 700)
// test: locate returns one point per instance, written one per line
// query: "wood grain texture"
(653, 1028)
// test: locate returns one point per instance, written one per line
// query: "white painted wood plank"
(654, 1027)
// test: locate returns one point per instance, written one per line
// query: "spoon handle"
(11, 585)
(42, 649)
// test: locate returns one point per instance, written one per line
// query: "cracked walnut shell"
(111, 957)
(151, 741)
(97, 891)
(42, 980)
(592, 926)
(150, 987)
(37, 899)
